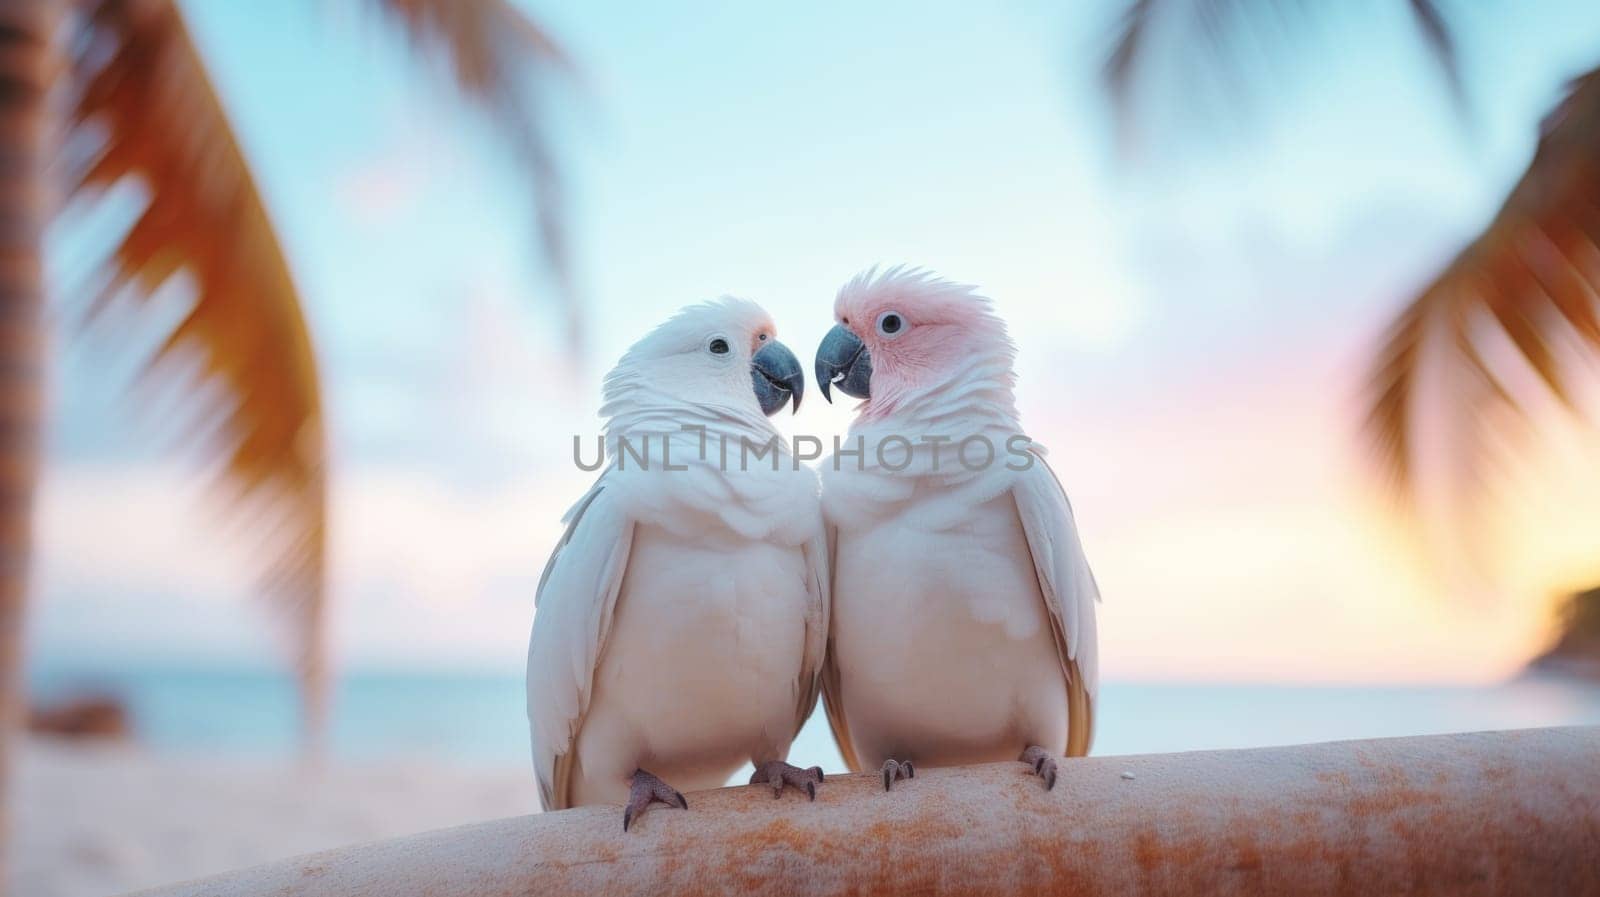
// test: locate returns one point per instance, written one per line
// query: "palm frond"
(1435, 28)
(500, 60)
(1226, 30)
(144, 111)
(1122, 63)
(1531, 278)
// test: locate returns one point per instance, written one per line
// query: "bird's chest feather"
(701, 667)
(701, 610)
(906, 590)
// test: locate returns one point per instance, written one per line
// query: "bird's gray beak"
(776, 375)
(843, 361)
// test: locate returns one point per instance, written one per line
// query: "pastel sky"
(1192, 325)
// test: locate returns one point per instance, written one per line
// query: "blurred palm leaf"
(1226, 27)
(500, 59)
(145, 111)
(1531, 277)
(1517, 304)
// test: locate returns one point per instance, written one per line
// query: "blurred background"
(1307, 326)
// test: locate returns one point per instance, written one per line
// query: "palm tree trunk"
(28, 65)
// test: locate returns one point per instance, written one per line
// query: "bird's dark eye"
(891, 324)
(718, 346)
(763, 337)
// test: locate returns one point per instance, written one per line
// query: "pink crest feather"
(946, 325)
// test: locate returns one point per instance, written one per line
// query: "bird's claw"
(1044, 765)
(778, 774)
(646, 790)
(897, 769)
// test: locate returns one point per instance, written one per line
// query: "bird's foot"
(646, 790)
(1044, 765)
(897, 769)
(778, 774)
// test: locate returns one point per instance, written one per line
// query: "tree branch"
(1484, 813)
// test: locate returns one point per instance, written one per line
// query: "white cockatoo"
(963, 608)
(682, 618)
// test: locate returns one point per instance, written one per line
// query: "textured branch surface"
(1486, 813)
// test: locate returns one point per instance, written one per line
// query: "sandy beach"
(96, 820)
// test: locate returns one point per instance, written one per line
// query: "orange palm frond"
(145, 112)
(1531, 277)
(500, 59)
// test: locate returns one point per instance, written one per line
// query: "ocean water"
(479, 719)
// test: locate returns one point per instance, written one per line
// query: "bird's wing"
(819, 587)
(576, 597)
(832, 698)
(1069, 592)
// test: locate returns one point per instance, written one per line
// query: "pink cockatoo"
(963, 619)
(682, 618)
